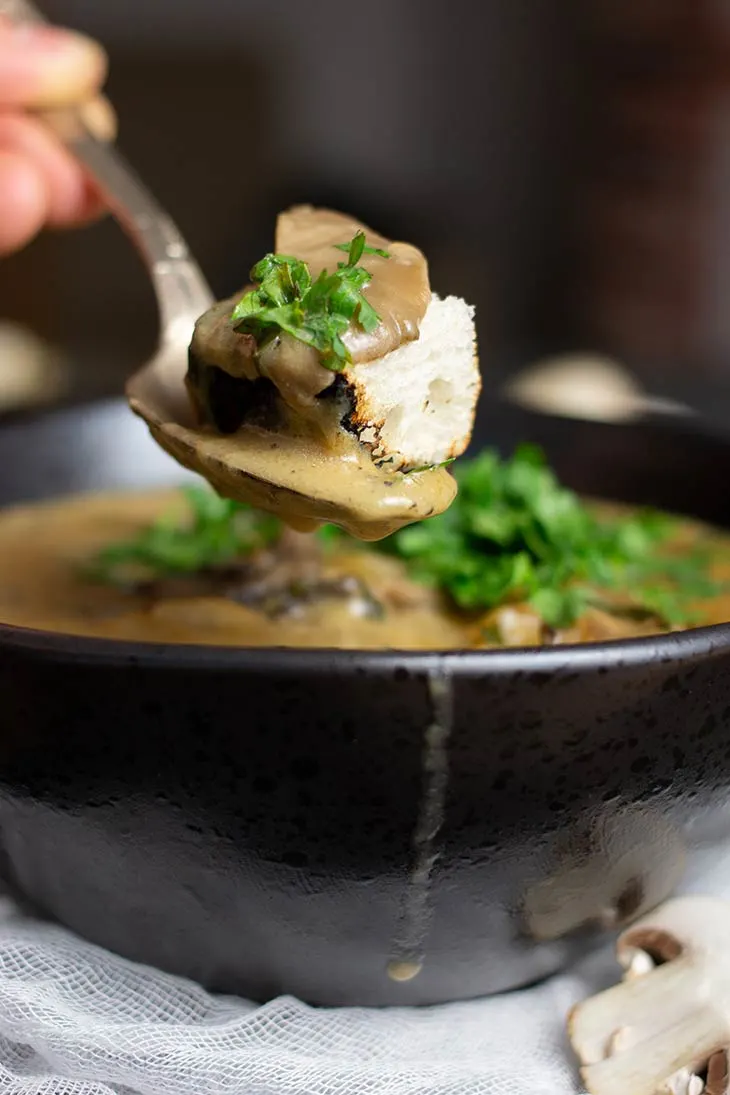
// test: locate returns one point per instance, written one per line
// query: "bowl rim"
(685, 647)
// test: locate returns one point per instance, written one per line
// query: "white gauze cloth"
(76, 1020)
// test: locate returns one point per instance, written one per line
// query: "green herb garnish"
(317, 313)
(357, 247)
(513, 534)
(216, 531)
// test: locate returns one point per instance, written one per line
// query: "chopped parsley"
(514, 534)
(315, 312)
(214, 532)
(357, 247)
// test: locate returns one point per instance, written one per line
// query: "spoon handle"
(182, 291)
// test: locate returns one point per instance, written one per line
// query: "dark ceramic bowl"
(273, 821)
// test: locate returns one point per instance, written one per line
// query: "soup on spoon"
(334, 389)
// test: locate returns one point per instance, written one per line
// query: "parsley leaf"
(357, 248)
(318, 312)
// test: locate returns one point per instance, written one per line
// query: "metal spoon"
(587, 386)
(304, 487)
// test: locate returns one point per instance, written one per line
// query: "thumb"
(42, 66)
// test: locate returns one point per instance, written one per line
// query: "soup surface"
(300, 592)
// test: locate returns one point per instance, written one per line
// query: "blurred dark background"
(565, 165)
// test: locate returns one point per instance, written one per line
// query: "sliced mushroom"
(285, 580)
(399, 292)
(666, 1027)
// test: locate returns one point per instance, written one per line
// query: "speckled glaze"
(264, 822)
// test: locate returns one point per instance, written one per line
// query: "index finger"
(43, 67)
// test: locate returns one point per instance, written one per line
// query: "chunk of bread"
(415, 406)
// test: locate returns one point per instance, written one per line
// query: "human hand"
(45, 68)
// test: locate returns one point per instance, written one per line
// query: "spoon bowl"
(289, 475)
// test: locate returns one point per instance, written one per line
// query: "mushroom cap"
(668, 1021)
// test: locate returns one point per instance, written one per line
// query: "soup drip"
(409, 945)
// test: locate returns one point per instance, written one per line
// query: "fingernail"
(53, 40)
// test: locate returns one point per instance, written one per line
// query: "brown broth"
(44, 548)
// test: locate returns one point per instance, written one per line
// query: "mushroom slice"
(666, 1027)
